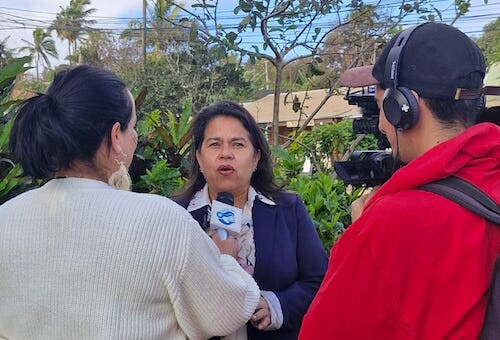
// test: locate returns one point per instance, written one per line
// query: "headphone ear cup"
(400, 108)
(391, 107)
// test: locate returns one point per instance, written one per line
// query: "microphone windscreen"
(225, 197)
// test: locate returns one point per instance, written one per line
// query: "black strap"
(467, 195)
(491, 323)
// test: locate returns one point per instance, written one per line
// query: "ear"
(417, 97)
(420, 102)
(115, 138)
(197, 153)
(257, 157)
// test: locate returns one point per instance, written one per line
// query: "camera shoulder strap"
(467, 195)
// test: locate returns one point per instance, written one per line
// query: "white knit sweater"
(81, 260)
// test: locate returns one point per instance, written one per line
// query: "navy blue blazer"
(290, 259)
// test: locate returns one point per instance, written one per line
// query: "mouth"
(225, 170)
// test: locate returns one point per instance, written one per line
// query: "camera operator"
(416, 265)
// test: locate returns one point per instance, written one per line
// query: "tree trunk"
(69, 50)
(276, 105)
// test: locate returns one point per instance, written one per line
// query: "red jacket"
(415, 265)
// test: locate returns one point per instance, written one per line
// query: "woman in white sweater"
(80, 259)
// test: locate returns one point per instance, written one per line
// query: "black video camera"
(367, 167)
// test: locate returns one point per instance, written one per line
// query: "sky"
(18, 18)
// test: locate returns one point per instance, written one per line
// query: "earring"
(120, 179)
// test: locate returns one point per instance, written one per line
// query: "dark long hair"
(70, 121)
(262, 179)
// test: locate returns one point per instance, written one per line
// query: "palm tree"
(164, 32)
(41, 48)
(62, 26)
(71, 22)
(6, 54)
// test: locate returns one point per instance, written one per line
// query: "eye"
(213, 144)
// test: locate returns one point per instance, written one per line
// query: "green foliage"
(7, 76)
(166, 135)
(11, 179)
(204, 75)
(180, 64)
(328, 143)
(490, 42)
(6, 53)
(355, 43)
(161, 179)
(289, 162)
(328, 204)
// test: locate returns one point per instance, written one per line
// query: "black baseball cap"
(438, 61)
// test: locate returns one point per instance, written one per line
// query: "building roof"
(336, 107)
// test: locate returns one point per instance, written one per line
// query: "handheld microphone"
(225, 218)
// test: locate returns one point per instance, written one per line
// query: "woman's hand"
(228, 246)
(261, 318)
(358, 205)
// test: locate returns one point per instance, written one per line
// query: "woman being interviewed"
(278, 244)
(82, 260)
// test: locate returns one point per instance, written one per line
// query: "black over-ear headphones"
(400, 105)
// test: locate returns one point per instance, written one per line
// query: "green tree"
(357, 43)
(6, 54)
(71, 22)
(328, 143)
(163, 35)
(179, 66)
(490, 42)
(40, 49)
(195, 73)
(96, 50)
(287, 28)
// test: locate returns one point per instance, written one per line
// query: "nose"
(382, 122)
(225, 151)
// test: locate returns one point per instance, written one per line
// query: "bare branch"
(293, 43)
(265, 33)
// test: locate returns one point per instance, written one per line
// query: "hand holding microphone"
(225, 218)
(228, 246)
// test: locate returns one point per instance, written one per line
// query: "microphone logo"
(226, 217)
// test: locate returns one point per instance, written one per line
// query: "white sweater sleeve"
(214, 295)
